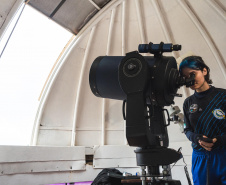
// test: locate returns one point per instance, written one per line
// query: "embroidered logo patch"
(219, 114)
(193, 108)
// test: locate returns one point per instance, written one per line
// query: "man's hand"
(207, 146)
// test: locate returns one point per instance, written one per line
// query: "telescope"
(145, 84)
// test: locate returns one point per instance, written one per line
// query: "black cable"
(179, 150)
(172, 166)
(185, 168)
(12, 31)
(187, 175)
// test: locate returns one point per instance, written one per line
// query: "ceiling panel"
(71, 14)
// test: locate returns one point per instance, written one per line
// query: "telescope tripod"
(150, 159)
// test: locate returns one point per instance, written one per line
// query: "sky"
(24, 67)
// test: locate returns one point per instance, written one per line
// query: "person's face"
(199, 78)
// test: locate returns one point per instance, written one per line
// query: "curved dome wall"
(70, 115)
(8, 10)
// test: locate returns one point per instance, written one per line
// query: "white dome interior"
(70, 115)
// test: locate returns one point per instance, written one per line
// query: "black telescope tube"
(103, 77)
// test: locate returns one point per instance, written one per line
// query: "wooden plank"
(124, 156)
(114, 151)
(89, 151)
(49, 177)
(130, 162)
(57, 177)
(114, 156)
(40, 153)
(115, 163)
(37, 167)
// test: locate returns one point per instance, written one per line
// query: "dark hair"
(195, 62)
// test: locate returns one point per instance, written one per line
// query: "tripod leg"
(143, 174)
